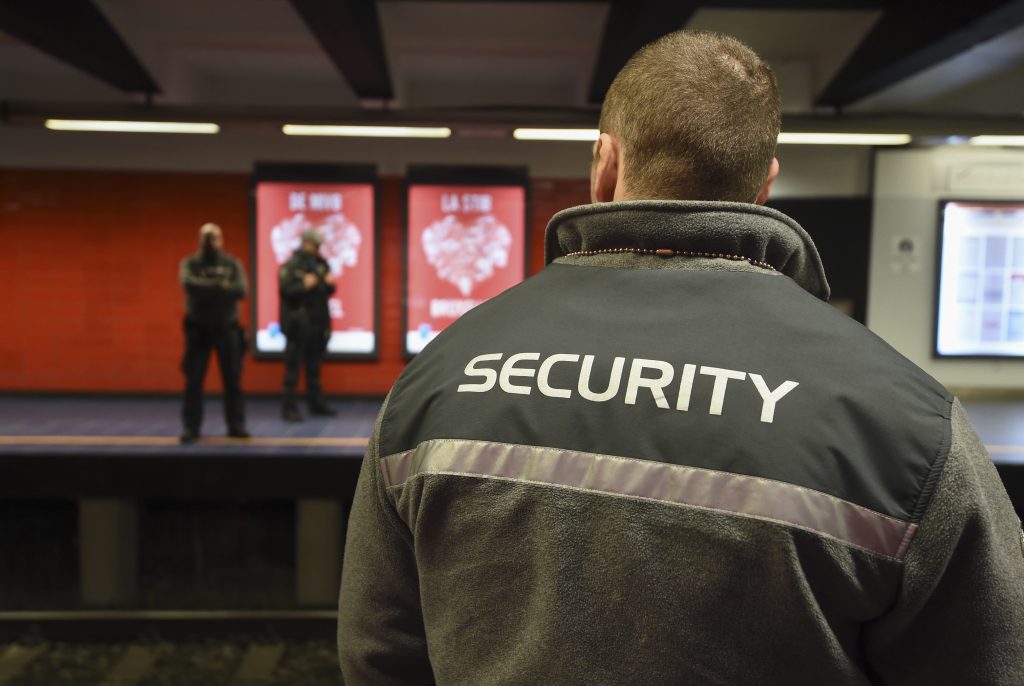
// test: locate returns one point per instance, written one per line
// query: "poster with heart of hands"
(343, 215)
(464, 244)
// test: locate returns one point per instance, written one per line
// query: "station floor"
(150, 426)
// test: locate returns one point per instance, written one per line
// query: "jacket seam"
(394, 519)
(938, 465)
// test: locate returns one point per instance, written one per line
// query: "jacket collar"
(753, 231)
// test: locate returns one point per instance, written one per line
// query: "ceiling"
(471, 63)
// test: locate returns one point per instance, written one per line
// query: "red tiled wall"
(90, 298)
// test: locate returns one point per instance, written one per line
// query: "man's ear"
(604, 173)
(773, 173)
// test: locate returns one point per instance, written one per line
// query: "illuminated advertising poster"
(980, 304)
(343, 215)
(465, 244)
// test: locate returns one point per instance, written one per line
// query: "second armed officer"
(306, 285)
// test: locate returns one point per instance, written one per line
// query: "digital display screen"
(343, 213)
(465, 243)
(980, 304)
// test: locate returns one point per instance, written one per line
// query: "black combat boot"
(318, 406)
(290, 412)
(239, 432)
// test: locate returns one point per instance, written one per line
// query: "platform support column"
(319, 532)
(108, 552)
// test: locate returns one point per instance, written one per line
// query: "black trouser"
(304, 344)
(199, 341)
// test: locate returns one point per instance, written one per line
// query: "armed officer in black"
(306, 285)
(214, 282)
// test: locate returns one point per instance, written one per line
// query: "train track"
(160, 648)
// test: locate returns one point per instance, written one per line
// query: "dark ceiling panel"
(634, 23)
(726, 4)
(809, 5)
(349, 32)
(631, 25)
(914, 35)
(76, 32)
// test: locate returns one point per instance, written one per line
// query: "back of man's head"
(697, 116)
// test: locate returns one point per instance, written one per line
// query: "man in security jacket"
(666, 459)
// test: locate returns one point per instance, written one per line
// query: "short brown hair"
(697, 115)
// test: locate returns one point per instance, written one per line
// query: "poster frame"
(314, 173)
(458, 175)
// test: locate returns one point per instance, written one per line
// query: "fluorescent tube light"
(784, 138)
(130, 126)
(997, 140)
(368, 131)
(844, 138)
(588, 135)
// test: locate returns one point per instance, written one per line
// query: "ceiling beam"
(349, 32)
(632, 24)
(913, 35)
(78, 34)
